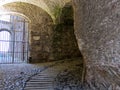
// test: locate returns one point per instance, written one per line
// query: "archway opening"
(4, 41)
(13, 39)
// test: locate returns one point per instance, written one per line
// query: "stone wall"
(53, 42)
(97, 24)
(41, 35)
(64, 44)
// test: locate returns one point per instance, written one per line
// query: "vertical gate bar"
(27, 41)
(6, 51)
(13, 39)
(3, 48)
(23, 38)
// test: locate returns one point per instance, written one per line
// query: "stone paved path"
(36, 77)
(40, 82)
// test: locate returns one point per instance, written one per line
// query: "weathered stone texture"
(99, 23)
(97, 26)
(64, 44)
(41, 47)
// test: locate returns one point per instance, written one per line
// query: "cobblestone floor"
(60, 75)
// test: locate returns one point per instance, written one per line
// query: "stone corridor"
(58, 75)
(60, 30)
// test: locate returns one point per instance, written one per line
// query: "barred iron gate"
(14, 41)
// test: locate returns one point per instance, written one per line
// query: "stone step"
(42, 81)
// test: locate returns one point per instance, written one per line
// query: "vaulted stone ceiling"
(32, 12)
(52, 7)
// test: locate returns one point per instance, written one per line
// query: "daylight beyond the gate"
(13, 39)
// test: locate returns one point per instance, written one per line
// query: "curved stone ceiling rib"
(33, 12)
(16, 13)
(49, 6)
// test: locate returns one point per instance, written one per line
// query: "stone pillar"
(97, 29)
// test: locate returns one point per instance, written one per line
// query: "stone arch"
(15, 13)
(4, 29)
(39, 3)
(50, 6)
(25, 9)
